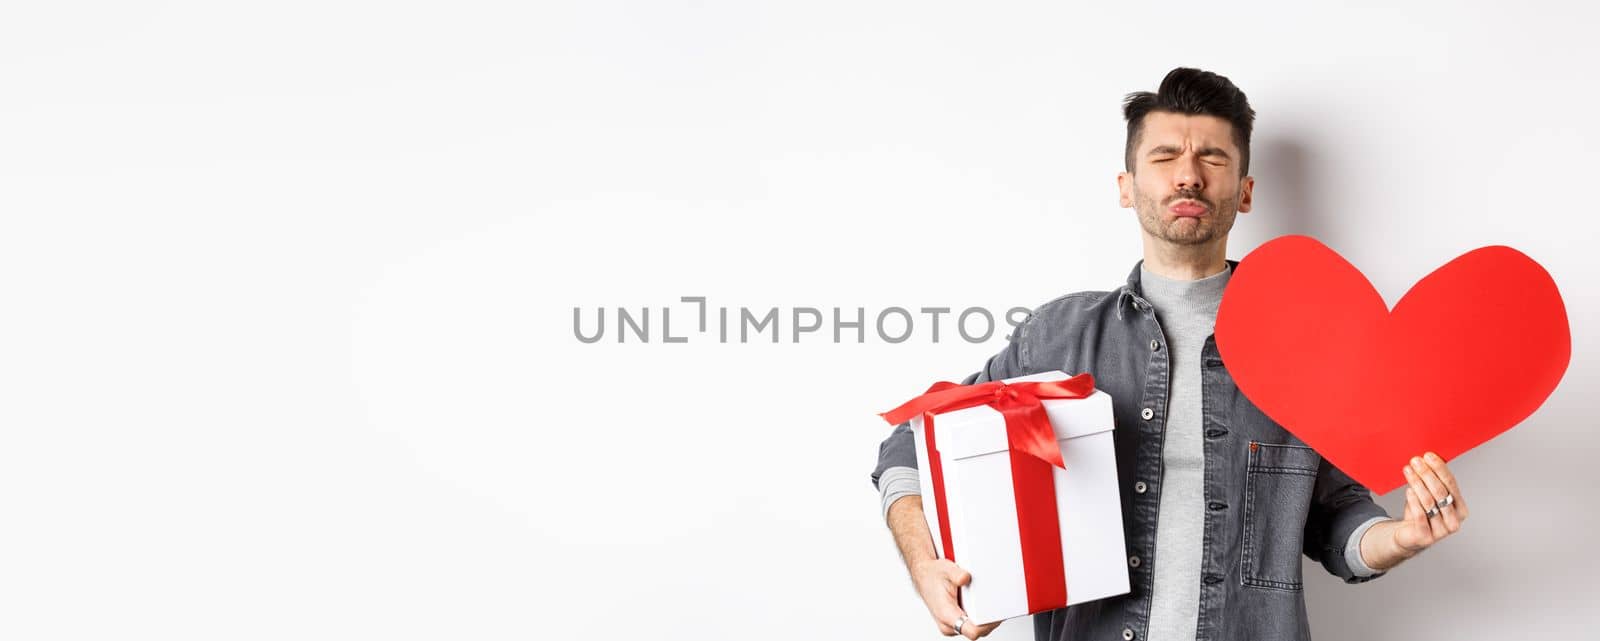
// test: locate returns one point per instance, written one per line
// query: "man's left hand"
(1434, 507)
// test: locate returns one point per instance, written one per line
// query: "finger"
(947, 616)
(1433, 527)
(1412, 512)
(974, 631)
(949, 610)
(1430, 481)
(1437, 488)
(1452, 522)
(1450, 513)
(968, 627)
(1419, 493)
(1443, 470)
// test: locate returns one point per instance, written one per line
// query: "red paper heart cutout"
(1470, 351)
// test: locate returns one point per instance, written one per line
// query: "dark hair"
(1195, 92)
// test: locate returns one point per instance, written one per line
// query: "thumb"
(960, 577)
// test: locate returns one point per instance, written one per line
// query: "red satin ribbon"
(1028, 432)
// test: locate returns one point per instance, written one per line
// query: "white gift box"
(981, 504)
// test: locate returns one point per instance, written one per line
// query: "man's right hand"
(938, 580)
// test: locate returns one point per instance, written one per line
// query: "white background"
(286, 293)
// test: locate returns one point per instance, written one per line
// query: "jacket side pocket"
(1278, 489)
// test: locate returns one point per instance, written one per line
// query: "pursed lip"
(1189, 203)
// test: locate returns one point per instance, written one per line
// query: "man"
(1218, 501)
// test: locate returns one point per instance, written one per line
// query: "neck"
(1185, 262)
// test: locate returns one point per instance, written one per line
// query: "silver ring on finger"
(1447, 501)
(960, 622)
(1432, 512)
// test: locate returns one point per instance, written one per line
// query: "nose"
(1187, 176)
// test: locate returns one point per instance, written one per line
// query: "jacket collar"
(1133, 294)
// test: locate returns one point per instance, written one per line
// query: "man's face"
(1186, 185)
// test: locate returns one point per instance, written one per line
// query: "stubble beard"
(1184, 230)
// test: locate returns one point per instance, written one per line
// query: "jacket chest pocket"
(1278, 488)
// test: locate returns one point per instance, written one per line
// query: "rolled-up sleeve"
(1341, 510)
(1352, 549)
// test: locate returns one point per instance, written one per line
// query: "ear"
(1125, 189)
(1245, 188)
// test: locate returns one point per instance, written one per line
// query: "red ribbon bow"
(1028, 431)
(1027, 426)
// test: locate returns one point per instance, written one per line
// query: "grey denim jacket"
(1269, 497)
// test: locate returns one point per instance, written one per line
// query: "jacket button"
(1146, 413)
(1154, 344)
(1133, 561)
(1127, 634)
(1140, 487)
(1212, 579)
(1217, 505)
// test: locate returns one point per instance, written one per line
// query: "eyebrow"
(1175, 150)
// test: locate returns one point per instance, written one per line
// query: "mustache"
(1190, 195)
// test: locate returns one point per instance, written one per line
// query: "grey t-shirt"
(1187, 311)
